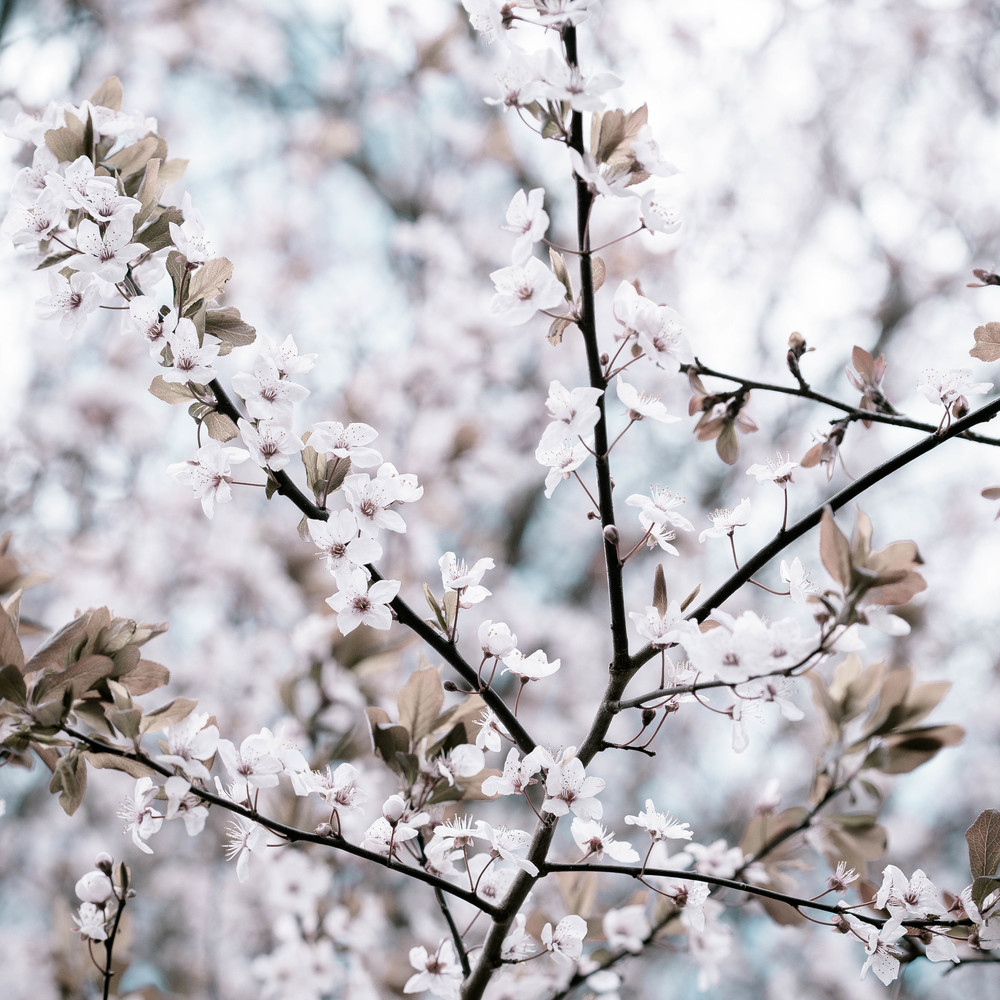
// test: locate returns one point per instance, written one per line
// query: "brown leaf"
(109, 94)
(420, 702)
(983, 838)
(987, 342)
(834, 549)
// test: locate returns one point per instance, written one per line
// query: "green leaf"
(420, 702)
(983, 838)
(12, 686)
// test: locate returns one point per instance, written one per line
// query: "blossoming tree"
(504, 825)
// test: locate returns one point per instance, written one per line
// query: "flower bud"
(104, 862)
(94, 887)
(393, 808)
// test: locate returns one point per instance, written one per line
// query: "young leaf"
(109, 94)
(834, 550)
(420, 701)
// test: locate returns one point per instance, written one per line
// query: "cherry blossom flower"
(180, 803)
(661, 630)
(627, 927)
(102, 202)
(491, 732)
(253, 766)
(188, 743)
(338, 788)
(576, 408)
(91, 921)
(358, 604)
(504, 842)
(565, 943)
(951, 389)
(520, 79)
(660, 826)
(556, 13)
(270, 443)
(286, 358)
(339, 541)
(403, 485)
(192, 361)
(567, 787)
(660, 214)
(726, 520)
(210, 474)
(245, 838)
(799, 584)
(38, 221)
(527, 218)
(642, 405)
(496, 639)
(141, 820)
(370, 499)
(778, 471)
(718, 858)
(658, 329)
(595, 841)
(609, 179)
(144, 317)
(330, 437)
(563, 82)
(438, 972)
(518, 944)
(690, 898)
(267, 395)
(658, 508)
(106, 255)
(462, 761)
(523, 289)
(842, 877)
(517, 775)
(72, 299)
(561, 454)
(189, 237)
(647, 154)
(463, 580)
(916, 897)
(878, 942)
(530, 668)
